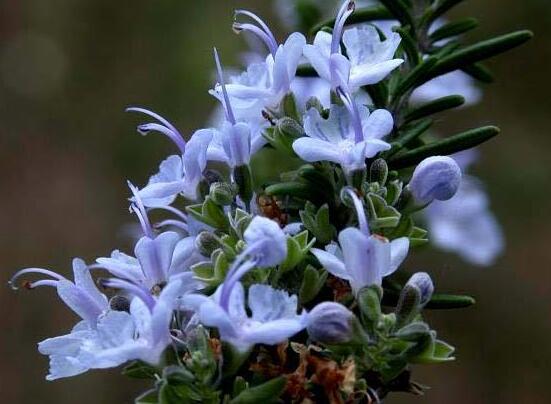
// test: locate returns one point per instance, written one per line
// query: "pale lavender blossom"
(369, 59)
(349, 136)
(178, 174)
(82, 295)
(159, 259)
(361, 258)
(143, 334)
(454, 83)
(465, 224)
(273, 318)
(435, 178)
(263, 85)
(231, 143)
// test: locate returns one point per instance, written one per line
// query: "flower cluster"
(249, 287)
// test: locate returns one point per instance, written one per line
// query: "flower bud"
(423, 282)
(436, 177)
(330, 323)
(221, 193)
(290, 127)
(206, 243)
(414, 296)
(378, 172)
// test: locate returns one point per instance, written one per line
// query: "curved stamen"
(172, 209)
(227, 106)
(360, 212)
(238, 269)
(175, 223)
(352, 108)
(230, 282)
(131, 288)
(43, 282)
(344, 12)
(166, 128)
(264, 32)
(41, 271)
(139, 209)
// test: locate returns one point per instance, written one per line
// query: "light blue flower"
(465, 225)
(178, 174)
(361, 258)
(231, 143)
(119, 337)
(273, 318)
(369, 59)
(262, 86)
(82, 296)
(454, 83)
(159, 259)
(349, 136)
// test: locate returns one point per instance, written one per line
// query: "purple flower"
(349, 136)
(273, 317)
(178, 174)
(361, 258)
(369, 60)
(143, 333)
(82, 296)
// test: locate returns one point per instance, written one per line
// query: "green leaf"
(399, 10)
(176, 375)
(409, 134)
(359, 16)
(418, 237)
(415, 77)
(139, 370)
(297, 248)
(209, 213)
(265, 393)
(480, 51)
(453, 29)
(479, 72)
(443, 7)
(312, 282)
(318, 222)
(381, 215)
(149, 397)
(441, 301)
(435, 106)
(437, 352)
(295, 189)
(453, 144)
(169, 394)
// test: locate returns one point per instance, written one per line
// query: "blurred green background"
(68, 68)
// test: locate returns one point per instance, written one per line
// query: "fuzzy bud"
(414, 296)
(436, 177)
(378, 172)
(330, 323)
(423, 282)
(222, 193)
(290, 127)
(206, 243)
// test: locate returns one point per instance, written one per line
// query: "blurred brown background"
(68, 68)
